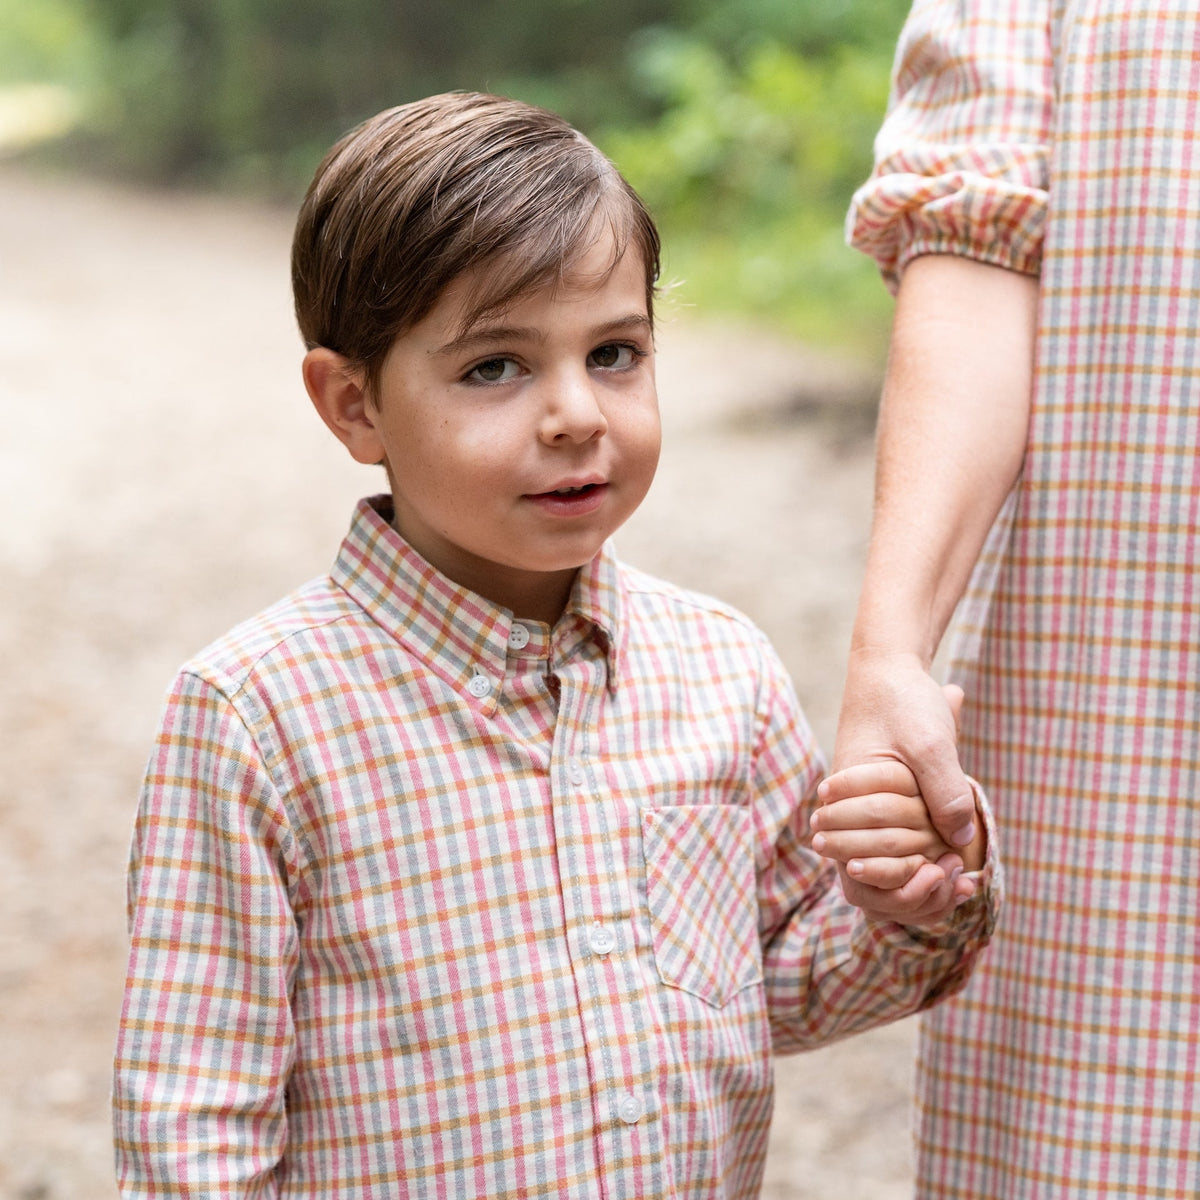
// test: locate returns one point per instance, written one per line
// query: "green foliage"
(811, 27)
(749, 170)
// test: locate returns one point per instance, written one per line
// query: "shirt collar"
(457, 632)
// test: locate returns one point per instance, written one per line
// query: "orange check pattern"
(1065, 138)
(429, 902)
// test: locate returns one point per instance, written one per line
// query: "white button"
(479, 686)
(518, 637)
(630, 1109)
(575, 772)
(601, 939)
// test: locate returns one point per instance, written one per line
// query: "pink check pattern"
(428, 902)
(1065, 139)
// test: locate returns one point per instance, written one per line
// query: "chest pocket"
(702, 892)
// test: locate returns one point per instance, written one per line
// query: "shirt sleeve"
(961, 162)
(829, 970)
(205, 1042)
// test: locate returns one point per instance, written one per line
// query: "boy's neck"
(545, 606)
(529, 596)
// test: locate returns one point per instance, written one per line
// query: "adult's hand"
(893, 708)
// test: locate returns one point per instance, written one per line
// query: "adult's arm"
(961, 179)
(952, 432)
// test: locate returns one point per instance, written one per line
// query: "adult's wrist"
(887, 656)
(895, 623)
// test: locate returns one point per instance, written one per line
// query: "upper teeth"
(567, 491)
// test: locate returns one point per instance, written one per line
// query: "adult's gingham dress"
(1065, 138)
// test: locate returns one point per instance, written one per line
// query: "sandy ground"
(162, 476)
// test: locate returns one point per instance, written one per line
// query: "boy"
(477, 868)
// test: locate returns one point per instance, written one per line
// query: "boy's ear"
(338, 392)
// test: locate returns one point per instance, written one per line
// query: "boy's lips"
(571, 499)
(573, 484)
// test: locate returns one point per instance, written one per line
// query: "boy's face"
(517, 446)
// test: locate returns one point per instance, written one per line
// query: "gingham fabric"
(1068, 135)
(428, 902)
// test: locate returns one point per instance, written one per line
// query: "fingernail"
(818, 843)
(854, 867)
(965, 836)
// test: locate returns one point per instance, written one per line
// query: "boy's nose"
(573, 412)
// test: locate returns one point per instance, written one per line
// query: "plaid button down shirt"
(1064, 139)
(429, 902)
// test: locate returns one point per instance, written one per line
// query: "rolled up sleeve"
(961, 161)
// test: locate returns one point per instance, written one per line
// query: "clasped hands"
(874, 823)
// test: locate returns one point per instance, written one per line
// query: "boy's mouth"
(575, 499)
(573, 490)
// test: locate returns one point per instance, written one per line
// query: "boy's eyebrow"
(482, 335)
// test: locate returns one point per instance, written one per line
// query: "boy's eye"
(493, 370)
(613, 355)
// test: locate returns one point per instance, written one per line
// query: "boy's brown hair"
(415, 196)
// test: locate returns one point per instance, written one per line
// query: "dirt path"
(161, 477)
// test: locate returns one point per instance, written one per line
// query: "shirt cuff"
(922, 207)
(976, 917)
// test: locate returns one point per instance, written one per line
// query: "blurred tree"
(42, 42)
(200, 87)
(746, 123)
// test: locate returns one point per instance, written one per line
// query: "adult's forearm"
(952, 432)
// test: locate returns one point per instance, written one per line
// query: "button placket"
(617, 1026)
